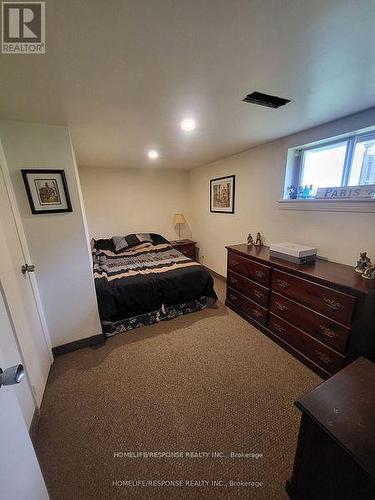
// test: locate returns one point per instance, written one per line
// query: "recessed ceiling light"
(152, 154)
(188, 124)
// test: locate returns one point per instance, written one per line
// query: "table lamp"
(178, 220)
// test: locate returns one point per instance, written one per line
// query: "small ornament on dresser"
(369, 272)
(362, 263)
(250, 240)
(259, 240)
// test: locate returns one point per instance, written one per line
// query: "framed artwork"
(47, 191)
(222, 191)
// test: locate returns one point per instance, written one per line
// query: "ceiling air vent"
(271, 101)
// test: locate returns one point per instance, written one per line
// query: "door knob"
(12, 375)
(27, 268)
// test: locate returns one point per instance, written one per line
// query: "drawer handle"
(260, 274)
(234, 280)
(323, 357)
(233, 297)
(278, 328)
(282, 283)
(234, 262)
(258, 294)
(256, 313)
(280, 306)
(328, 332)
(332, 304)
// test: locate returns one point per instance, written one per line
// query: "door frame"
(4, 298)
(24, 248)
(17, 432)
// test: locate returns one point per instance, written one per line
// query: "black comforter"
(146, 278)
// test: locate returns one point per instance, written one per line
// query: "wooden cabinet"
(249, 268)
(186, 247)
(314, 350)
(315, 324)
(337, 305)
(249, 288)
(335, 457)
(249, 307)
(323, 313)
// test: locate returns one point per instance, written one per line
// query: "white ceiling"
(122, 74)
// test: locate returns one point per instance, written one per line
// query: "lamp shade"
(179, 219)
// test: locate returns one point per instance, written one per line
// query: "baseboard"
(78, 344)
(34, 425)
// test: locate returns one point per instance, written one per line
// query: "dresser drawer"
(336, 305)
(249, 268)
(317, 352)
(252, 290)
(320, 327)
(247, 306)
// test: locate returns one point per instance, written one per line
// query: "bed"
(140, 279)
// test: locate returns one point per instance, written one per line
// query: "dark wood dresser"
(187, 247)
(335, 457)
(323, 313)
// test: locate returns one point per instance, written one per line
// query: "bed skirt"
(150, 318)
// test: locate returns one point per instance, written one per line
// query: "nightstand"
(187, 247)
(335, 457)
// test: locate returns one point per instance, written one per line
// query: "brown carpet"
(203, 382)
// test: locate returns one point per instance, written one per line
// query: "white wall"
(121, 201)
(259, 184)
(58, 242)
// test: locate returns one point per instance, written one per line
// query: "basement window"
(341, 169)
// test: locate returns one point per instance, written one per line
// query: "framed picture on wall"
(47, 191)
(222, 192)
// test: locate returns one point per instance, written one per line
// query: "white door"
(20, 474)
(18, 290)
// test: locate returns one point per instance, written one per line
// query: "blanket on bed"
(146, 278)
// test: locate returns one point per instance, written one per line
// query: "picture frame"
(47, 191)
(222, 195)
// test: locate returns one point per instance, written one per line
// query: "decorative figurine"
(258, 241)
(369, 272)
(292, 191)
(362, 263)
(250, 240)
(305, 192)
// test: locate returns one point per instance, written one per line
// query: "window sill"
(348, 205)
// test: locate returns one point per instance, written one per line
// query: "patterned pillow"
(104, 244)
(130, 240)
(144, 237)
(120, 243)
(157, 239)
